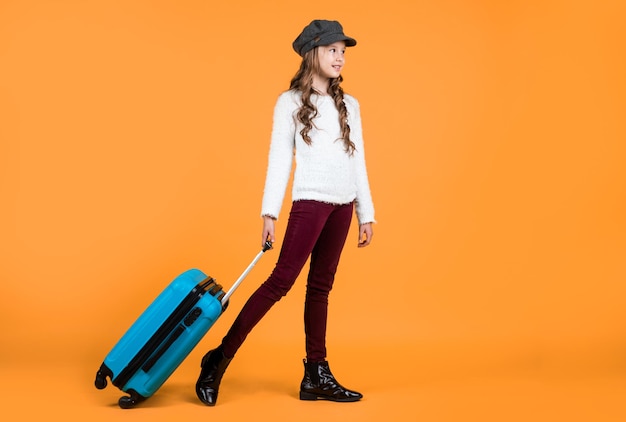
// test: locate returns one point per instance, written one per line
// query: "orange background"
(134, 139)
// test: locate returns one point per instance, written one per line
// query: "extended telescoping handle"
(266, 247)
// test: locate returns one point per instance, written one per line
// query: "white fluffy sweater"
(324, 170)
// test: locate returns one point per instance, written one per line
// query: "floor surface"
(399, 389)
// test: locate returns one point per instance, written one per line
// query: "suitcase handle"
(266, 247)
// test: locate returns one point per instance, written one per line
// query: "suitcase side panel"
(147, 380)
(150, 320)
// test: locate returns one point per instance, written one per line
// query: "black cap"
(320, 32)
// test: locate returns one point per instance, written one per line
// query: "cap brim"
(331, 38)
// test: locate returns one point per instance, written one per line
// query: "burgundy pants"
(314, 229)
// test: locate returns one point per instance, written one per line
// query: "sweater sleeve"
(280, 158)
(363, 203)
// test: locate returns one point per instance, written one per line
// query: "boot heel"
(307, 396)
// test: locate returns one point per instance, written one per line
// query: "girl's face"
(331, 59)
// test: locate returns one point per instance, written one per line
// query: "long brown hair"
(303, 82)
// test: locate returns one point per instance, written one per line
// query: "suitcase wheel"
(128, 402)
(101, 381)
(101, 376)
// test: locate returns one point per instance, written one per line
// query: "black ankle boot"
(213, 365)
(319, 383)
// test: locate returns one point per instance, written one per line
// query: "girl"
(321, 125)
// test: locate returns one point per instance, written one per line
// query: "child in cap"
(319, 125)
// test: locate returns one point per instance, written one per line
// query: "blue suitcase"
(165, 333)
